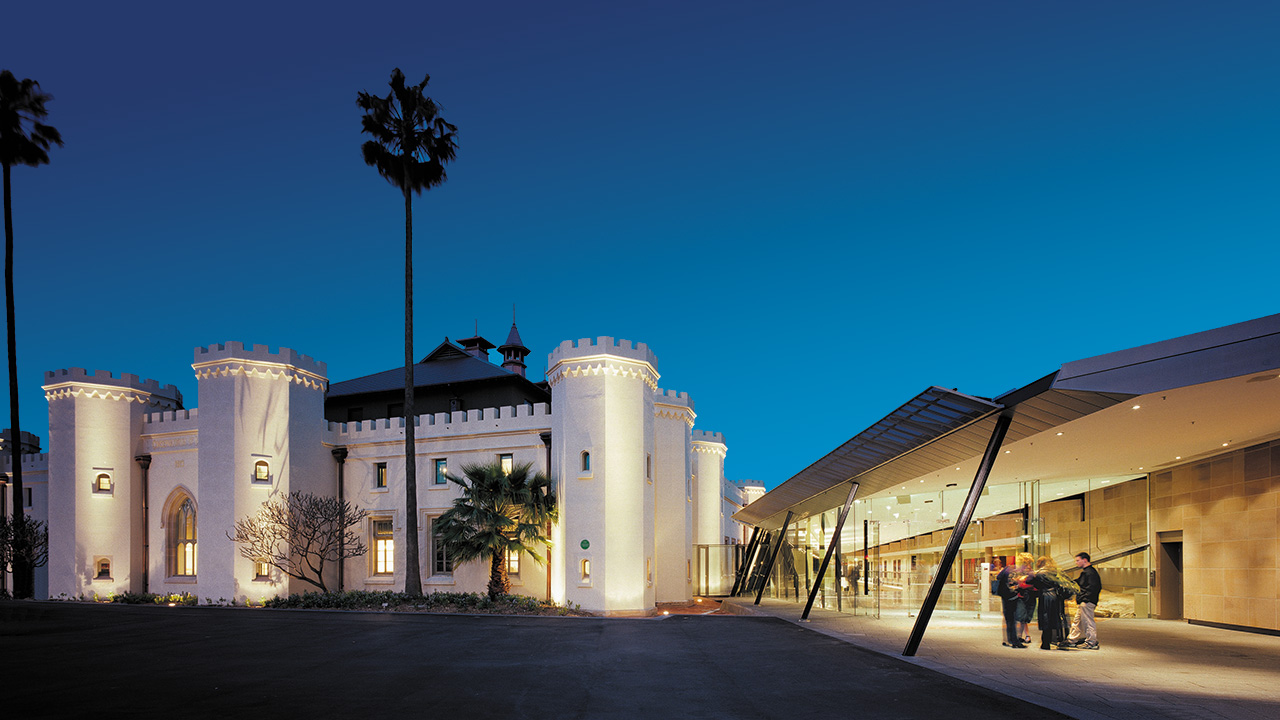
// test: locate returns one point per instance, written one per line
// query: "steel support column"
(745, 567)
(757, 561)
(773, 557)
(957, 535)
(826, 558)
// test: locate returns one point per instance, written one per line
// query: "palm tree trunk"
(412, 573)
(23, 579)
(499, 582)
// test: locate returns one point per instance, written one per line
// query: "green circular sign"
(586, 544)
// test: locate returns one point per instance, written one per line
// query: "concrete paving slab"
(1146, 669)
(68, 660)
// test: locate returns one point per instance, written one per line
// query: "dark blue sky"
(811, 211)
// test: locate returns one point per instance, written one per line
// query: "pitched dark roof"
(448, 363)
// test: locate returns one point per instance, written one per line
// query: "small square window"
(262, 471)
(261, 570)
(380, 475)
(508, 463)
(442, 471)
(103, 569)
(101, 483)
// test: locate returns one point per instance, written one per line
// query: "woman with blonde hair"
(1027, 593)
(1054, 588)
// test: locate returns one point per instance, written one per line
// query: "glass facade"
(891, 546)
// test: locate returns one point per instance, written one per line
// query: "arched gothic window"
(182, 539)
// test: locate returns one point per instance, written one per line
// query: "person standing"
(1009, 606)
(1084, 630)
(1054, 588)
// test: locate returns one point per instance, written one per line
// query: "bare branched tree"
(24, 538)
(300, 534)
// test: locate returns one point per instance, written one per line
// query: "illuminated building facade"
(140, 491)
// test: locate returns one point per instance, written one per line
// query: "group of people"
(1037, 588)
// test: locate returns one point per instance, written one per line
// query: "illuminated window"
(648, 571)
(584, 567)
(513, 563)
(261, 570)
(103, 569)
(441, 563)
(380, 475)
(182, 546)
(508, 463)
(101, 483)
(586, 461)
(442, 472)
(384, 547)
(261, 471)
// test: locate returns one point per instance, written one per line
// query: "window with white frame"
(102, 483)
(441, 563)
(384, 546)
(442, 472)
(262, 471)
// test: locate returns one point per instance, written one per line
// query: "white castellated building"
(140, 492)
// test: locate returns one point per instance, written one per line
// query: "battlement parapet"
(261, 354)
(106, 378)
(705, 436)
(171, 421)
(586, 347)
(671, 397)
(468, 422)
(78, 382)
(30, 461)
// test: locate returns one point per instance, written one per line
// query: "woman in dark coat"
(1054, 589)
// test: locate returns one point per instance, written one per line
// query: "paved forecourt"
(1144, 669)
(81, 660)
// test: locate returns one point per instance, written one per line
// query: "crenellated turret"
(603, 425)
(96, 532)
(259, 437)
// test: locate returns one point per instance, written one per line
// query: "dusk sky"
(810, 211)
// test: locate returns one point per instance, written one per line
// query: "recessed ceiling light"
(1135, 407)
(1225, 444)
(1006, 452)
(1104, 482)
(1178, 457)
(1139, 467)
(1059, 433)
(957, 468)
(1059, 494)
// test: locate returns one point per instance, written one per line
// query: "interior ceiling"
(1068, 436)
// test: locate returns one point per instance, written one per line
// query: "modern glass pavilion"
(1161, 461)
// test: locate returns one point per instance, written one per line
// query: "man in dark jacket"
(1084, 631)
(1008, 605)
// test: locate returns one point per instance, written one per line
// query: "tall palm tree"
(21, 105)
(499, 513)
(411, 145)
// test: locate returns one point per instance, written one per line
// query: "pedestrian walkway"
(1144, 669)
